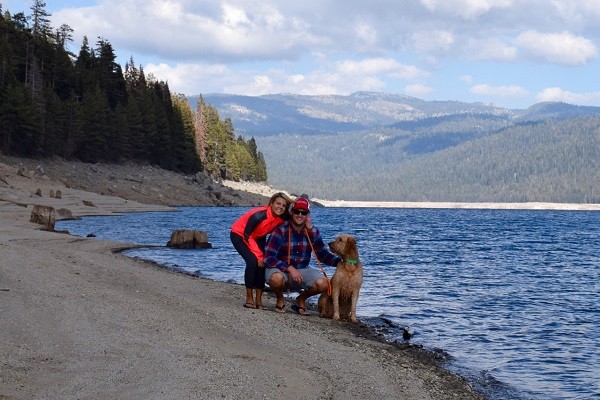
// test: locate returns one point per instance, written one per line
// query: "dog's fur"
(345, 283)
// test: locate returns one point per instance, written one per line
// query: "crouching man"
(287, 257)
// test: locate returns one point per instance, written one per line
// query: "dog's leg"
(354, 300)
(336, 301)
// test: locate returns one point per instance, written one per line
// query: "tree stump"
(189, 239)
(43, 215)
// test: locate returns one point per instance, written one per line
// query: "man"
(287, 256)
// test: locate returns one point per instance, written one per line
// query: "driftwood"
(189, 239)
(44, 215)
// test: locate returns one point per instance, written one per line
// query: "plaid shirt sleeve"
(324, 255)
(274, 247)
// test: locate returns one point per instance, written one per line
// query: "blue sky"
(512, 53)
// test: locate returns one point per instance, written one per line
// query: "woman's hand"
(261, 264)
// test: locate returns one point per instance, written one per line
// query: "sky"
(512, 53)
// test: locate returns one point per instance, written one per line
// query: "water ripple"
(510, 299)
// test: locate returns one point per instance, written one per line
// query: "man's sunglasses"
(300, 212)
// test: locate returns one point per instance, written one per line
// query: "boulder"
(22, 171)
(43, 215)
(65, 213)
(189, 239)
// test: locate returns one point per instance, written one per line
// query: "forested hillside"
(385, 146)
(86, 107)
(549, 160)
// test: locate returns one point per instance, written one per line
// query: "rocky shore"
(142, 183)
(80, 320)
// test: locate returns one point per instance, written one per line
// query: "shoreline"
(82, 320)
(267, 190)
(459, 205)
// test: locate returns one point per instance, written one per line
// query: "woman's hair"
(283, 196)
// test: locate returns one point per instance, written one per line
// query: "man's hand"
(261, 264)
(294, 274)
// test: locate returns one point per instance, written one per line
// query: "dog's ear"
(350, 247)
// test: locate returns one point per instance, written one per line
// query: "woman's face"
(278, 206)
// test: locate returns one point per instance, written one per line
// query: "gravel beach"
(82, 321)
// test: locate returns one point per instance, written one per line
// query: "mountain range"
(382, 146)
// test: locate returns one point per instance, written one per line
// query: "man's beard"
(298, 226)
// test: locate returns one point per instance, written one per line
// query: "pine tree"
(63, 71)
(187, 159)
(109, 74)
(57, 117)
(201, 130)
(21, 122)
(41, 22)
(96, 125)
(83, 69)
(73, 126)
(135, 146)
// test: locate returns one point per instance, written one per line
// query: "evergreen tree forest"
(86, 107)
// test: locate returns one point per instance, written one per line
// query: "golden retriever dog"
(345, 283)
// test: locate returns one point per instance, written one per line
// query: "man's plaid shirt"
(276, 250)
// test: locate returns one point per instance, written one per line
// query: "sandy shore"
(82, 321)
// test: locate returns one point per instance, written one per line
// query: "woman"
(248, 235)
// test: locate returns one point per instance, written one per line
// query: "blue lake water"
(512, 298)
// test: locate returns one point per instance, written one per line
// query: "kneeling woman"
(248, 236)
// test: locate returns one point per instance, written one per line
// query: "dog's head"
(345, 246)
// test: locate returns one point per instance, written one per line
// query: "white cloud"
(578, 12)
(467, 78)
(165, 10)
(503, 91)
(341, 77)
(467, 9)
(176, 29)
(306, 46)
(432, 41)
(417, 90)
(558, 94)
(491, 49)
(561, 48)
(191, 78)
(366, 34)
(380, 66)
(234, 17)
